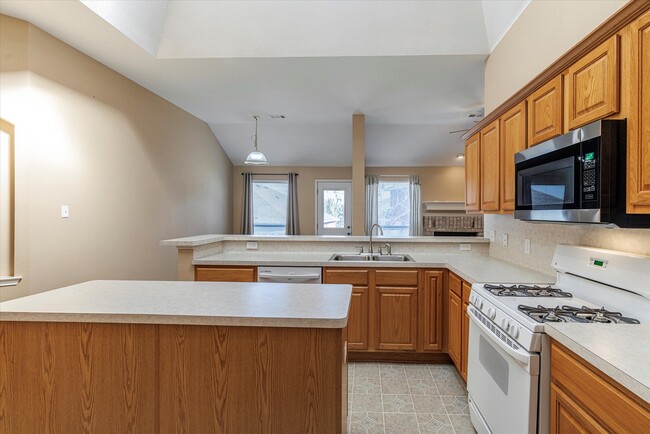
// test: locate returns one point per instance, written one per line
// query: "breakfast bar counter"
(148, 357)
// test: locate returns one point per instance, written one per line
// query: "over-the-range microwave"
(579, 177)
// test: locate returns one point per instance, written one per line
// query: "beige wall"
(133, 168)
(438, 183)
(544, 31)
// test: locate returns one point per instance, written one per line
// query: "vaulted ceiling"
(414, 68)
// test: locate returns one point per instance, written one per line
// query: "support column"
(358, 174)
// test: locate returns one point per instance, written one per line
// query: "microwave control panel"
(590, 162)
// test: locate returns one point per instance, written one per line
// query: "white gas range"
(509, 353)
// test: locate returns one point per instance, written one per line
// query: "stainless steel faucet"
(381, 232)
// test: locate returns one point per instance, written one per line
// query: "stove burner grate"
(526, 291)
(575, 314)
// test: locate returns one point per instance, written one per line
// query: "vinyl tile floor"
(395, 398)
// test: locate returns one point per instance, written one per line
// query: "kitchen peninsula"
(147, 357)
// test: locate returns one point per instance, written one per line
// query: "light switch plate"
(466, 247)
(527, 246)
(505, 240)
(65, 211)
(251, 245)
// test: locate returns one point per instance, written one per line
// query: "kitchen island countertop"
(189, 303)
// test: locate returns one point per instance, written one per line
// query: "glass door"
(333, 207)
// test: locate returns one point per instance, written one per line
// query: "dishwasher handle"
(273, 276)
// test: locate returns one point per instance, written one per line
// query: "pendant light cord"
(255, 142)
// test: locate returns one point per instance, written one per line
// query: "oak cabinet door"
(454, 328)
(568, 417)
(464, 332)
(358, 319)
(489, 146)
(513, 140)
(638, 147)
(226, 274)
(431, 318)
(593, 85)
(472, 174)
(397, 318)
(545, 112)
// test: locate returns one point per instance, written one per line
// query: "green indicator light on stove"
(598, 263)
(589, 156)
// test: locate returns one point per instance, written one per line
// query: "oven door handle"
(522, 356)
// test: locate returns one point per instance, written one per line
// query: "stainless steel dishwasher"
(289, 274)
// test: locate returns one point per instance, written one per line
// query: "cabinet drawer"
(605, 399)
(396, 277)
(349, 277)
(455, 284)
(210, 274)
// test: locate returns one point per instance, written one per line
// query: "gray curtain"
(293, 224)
(372, 201)
(416, 209)
(246, 226)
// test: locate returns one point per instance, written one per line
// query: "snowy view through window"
(393, 208)
(269, 207)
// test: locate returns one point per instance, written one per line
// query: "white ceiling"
(414, 68)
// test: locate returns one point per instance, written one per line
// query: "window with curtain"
(269, 207)
(393, 206)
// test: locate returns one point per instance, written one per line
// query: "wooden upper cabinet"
(397, 318)
(593, 84)
(638, 146)
(431, 311)
(545, 112)
(472, 174)
(489, 146)
(513, 140)
(226, 274)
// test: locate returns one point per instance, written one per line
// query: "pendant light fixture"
(256, 158)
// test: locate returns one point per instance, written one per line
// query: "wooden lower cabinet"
(225, 274)
(585, 400)
(458, 323)
(358, 319)
(455, 328)
(431, 311)
(397, 318)
(394, 311)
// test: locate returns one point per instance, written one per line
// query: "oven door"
(503, 380)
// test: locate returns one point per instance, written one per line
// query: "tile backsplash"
(544, 237)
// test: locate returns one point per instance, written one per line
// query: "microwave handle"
(522, 356)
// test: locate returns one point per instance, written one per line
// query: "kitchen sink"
(367, 257)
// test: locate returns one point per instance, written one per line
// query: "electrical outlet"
(65, 211)
(251, 245)
(505, 240)
(466, 247)
(527, 246)
(492, 235)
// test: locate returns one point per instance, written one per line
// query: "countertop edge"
(616, 374)
(323, 323)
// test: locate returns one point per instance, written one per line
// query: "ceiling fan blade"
(458, 131)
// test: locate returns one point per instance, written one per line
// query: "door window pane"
(269, 207)
(393, 207)
(334, 208)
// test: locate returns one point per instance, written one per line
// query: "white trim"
(10, 280)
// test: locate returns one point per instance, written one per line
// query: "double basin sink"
(365, 257)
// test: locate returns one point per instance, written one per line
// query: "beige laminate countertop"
(193, 303)
(472, 268)
(619, 350)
